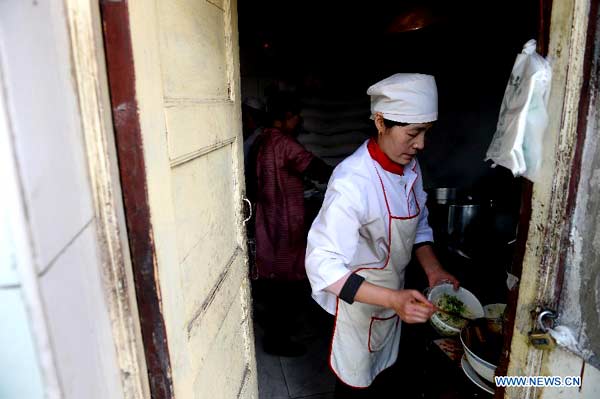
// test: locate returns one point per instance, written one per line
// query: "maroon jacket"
(280, 230)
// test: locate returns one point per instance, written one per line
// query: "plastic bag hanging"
(518, 141)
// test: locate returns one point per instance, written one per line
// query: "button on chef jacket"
(354, 213)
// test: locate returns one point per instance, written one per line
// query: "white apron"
(366, 338)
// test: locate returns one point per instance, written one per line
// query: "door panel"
(199, 128)
(211, 379)
(206, 323)
(195, 34)
(186, 82)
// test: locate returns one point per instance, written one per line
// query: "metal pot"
(460, 217)
(443, 195)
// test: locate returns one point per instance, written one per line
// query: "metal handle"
(249, 210)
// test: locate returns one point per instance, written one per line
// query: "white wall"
(48, 154)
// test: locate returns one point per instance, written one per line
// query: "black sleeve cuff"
(350, 287)
(419, 245)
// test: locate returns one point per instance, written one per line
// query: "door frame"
(129, 144)
(571, 35)
(90, 81)
(543, 36)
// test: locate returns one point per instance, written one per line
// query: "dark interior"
(334, 51)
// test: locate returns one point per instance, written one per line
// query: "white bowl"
(484, 369)
(474, 377)
(473, 307)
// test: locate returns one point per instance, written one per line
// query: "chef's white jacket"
(354, 216)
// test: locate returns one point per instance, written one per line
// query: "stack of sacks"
(335, 128)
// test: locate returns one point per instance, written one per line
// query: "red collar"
(382, 159)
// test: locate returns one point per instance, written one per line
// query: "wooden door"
(174, 77)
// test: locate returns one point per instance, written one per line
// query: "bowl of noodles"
(460, 301)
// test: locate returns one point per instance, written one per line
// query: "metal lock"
(540, 337)
(542, 340)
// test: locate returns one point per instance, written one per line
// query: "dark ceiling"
(470, 50)
(337, 39)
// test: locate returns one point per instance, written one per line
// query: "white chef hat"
(405, 97)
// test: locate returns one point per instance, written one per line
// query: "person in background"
(281, 163)
(372, 219)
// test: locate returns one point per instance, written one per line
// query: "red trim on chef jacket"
(382, 159)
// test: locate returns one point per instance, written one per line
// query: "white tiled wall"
(73, 297)
(44, 114)
(19, 372)
(8, 266)
(47, 143)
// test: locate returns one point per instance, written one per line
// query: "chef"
(372, 219)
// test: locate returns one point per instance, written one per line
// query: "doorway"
(329, 55)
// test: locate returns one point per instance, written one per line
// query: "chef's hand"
(438, 275)
(412, 306)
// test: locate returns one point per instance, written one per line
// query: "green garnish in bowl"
(451, 304)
